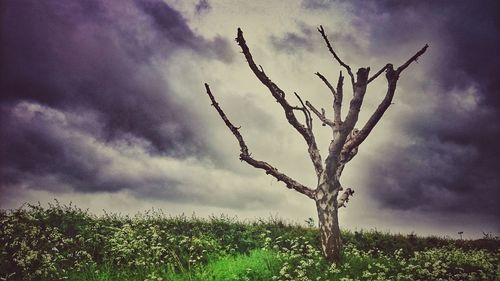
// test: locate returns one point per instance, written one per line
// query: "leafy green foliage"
(66, 243)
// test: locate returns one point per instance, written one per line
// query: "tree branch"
(327, 83)
(245, 155)
(344, 198)
(402, 67)
(304, 109)
(321, 115)
(392, 78)
(337, 96)
(347, 67)
(357, 100)
(378, 73)
(335, 157)
(337, 103)
(412, 59)
(279, 95)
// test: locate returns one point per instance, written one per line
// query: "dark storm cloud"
(98, 58)
(172, 26)
(50, 150)
(452, 163)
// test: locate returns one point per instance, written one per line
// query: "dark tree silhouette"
(329, 194)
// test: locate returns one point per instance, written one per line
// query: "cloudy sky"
(102, 104)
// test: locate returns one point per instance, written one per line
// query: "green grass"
(66, 243)
(257, 265)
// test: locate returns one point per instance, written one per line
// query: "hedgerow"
(63, 242)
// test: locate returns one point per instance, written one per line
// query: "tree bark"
(327, 207)
(331, 241)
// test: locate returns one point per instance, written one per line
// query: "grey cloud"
(317, 4)
(293, 42)
(452, 165)
(202, 6)
(53, 152)
(104, 64)
(102, 59)
(307, 39)
(97, 70)
(172, 26)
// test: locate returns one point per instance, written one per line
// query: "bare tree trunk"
(331, 242)
(327, 207)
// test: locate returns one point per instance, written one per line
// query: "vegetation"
(66, 243)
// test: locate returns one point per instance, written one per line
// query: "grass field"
(66, 243)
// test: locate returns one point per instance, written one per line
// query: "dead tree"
(329, 194)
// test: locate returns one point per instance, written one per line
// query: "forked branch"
(245, 155)
(337, 96)
(307, 113)
(279, 95)
(392, 78)
(321, 115)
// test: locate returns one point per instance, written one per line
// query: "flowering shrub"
(32, 249)
(142, 243)
(302, 261)
(453, 264)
